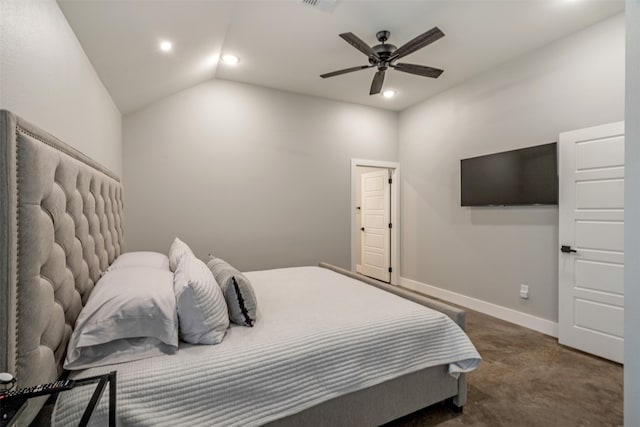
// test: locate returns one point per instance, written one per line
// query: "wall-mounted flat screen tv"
(528, 176)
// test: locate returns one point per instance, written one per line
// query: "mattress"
(319, 335)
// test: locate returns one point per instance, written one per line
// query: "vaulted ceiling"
(287, 44)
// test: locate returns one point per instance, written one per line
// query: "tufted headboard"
(60, 228)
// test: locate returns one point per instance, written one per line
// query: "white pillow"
(177, 250)
(130, 315)
(141, 259)
(202, 310)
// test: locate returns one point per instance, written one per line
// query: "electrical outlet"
(524, 292)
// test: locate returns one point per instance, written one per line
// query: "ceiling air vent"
(322, 5)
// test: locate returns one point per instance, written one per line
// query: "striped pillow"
(237, 290)
(202, 310)
(177, 250)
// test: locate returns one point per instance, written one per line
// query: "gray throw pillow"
(237, 290)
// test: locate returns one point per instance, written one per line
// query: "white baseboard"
(523, 319)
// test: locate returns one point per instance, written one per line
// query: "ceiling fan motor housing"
(384, 50)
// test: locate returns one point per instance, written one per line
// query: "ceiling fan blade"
(420, 70)
(356, 42)
(376, 84)
(346, 70)
(417, 43)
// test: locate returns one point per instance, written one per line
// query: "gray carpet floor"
(528, 379)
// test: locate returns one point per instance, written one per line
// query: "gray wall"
(486, 253)
(632, 221)
(46, 78)
(257, 176)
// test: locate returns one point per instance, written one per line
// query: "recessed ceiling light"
(165, 46)
(389, 93)
(230, 59)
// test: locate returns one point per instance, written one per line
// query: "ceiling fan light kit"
(384, 55)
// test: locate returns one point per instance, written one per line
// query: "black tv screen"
(528, 176)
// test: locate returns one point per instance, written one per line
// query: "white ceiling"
(285, 44)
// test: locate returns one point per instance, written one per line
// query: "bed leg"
(454, 407)
(456, 403)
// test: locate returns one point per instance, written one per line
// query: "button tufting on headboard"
(61, 227)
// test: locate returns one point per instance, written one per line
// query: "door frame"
(394, 167)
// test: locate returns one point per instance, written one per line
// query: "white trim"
(394, 167)
(519, 318)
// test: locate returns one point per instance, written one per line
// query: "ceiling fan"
(385, 54)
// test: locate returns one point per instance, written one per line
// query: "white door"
(591, 203)
(375, 215)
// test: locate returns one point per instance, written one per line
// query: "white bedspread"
(319, 335)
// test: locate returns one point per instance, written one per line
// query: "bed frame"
(61, 227)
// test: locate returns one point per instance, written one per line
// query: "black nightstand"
(12, 402)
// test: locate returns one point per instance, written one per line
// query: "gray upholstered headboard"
(60, 228)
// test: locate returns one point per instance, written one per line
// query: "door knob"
(567, 249)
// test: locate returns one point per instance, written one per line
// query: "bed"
(62, 228)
